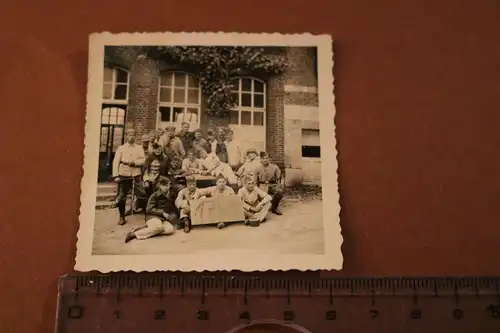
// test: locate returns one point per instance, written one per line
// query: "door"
(112, 137)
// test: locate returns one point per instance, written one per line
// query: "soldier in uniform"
(158, 155)
(162, 214)
(220, 189)
(127, 170)
(256, 203)
(182, 202)
(172, 144)
(250, 166)
(268, 177)
(176, 175)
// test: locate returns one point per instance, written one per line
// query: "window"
(112, 116)
(310, 143)
(179, 99)
(250, 97)
(115, 85)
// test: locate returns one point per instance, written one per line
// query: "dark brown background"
(418, 128)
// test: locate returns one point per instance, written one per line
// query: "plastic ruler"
(194, 304)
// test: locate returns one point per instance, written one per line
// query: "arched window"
(248, 117)
(179, 100)
(250, 97)
(115, 85)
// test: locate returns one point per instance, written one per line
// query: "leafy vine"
(218, 66)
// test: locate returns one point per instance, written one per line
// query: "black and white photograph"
(209, 151)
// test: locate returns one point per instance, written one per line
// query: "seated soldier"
(191, 165)
(162, 214)
(182, 202)
(160, 156)
(213, 166)
(149, 185)
(220, 189)
(256, 203)
(176, 175)
(249, 167)
(269, 180)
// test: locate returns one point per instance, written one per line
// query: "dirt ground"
(299, 230)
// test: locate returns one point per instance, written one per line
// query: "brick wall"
(300, 92)
(143, 95)
(275, 141)
(301, 98)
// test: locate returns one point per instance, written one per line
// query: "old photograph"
(209, 151)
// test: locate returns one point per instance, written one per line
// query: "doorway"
(112, 137)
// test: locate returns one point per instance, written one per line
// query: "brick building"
(278, 114)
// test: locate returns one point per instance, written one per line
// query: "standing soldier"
(269, 180)
(185, 136)
(234, 157)
(127, 170)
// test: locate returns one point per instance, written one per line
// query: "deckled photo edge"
(332, 259)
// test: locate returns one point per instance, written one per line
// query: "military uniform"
(269, 180)
(252, 199)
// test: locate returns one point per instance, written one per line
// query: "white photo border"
(232, 260)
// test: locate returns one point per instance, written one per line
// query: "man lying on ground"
(162, 214)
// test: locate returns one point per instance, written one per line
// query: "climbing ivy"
(218, 66)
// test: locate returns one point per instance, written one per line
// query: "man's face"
(210, 137)
(265, 160)
(229, 136)
(175, 164)
(157, 151)
(164, 188)
(203, 153)
(252, 156)
(219, 133)
(250, 184)
(191, 185)
(221, 183)
(145, 144)
(197, 135)
(191, 156)
(160, 131)
(131, 137)
(185, 127)
(171, 132)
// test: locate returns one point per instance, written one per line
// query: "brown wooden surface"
(418, 102)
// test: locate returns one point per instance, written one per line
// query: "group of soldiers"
(163, 171)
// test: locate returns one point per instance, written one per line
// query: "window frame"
(252, 109)
(115, 83)
(172, 104)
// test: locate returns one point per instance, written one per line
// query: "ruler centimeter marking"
(83, 299)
